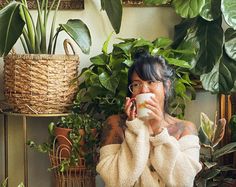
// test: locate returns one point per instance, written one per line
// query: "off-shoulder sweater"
(146, 161)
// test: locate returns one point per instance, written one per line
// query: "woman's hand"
(130, 108)
(157, 115)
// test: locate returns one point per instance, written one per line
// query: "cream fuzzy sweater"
(144, 161)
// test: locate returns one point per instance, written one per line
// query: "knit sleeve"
(121, 165)
(176, 162)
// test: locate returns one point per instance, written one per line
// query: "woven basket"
(40, 83)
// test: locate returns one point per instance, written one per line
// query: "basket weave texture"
(40, 83)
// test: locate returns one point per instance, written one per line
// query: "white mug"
(142, 111)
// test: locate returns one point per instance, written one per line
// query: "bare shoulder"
(179, 128)
(189, 128)
(113, 130)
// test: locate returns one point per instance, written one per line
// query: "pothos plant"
(16, 22)
(90, 137)
(104, 83)
(213, 173)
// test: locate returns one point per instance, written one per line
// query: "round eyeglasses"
(136, 87)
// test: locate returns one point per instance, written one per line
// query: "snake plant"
(16, 22)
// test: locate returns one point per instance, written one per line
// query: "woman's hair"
(153, 68)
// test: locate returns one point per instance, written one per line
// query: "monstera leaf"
(188, 8)
(228, 8)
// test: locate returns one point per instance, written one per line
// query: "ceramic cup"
(142, 111)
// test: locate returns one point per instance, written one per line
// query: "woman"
(161, 151)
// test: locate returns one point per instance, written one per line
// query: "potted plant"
(103, 89)
(39, 81)
(72, 139)
(214, 173)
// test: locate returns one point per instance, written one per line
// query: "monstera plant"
(215, 60)
(213, 173)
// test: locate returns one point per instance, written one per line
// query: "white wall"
(148, 23)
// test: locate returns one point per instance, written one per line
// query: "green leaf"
(178, 63)
(188, 8)
(99, 59)
(211, 10)
(228, 8)
(210, 81)
(230, 43)
(79, 32)
(162, 42)
(11, 26)
(114, 12)
(105, 45)
(109, 82)
(232, 126)
(207, 126)
(210, 37)
(219, 131)
(229, 148)
(211, 174)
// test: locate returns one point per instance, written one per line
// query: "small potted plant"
(73, 148)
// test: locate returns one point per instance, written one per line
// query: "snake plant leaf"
(79, 32)
(229, 148)
(219, 131)
(110, 82)
(230, 43)
(228, 8)
(114, 12)
(211, 10)
(188, 8)
(210, 37)
(11, 26)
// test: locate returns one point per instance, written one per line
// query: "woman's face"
(155, 87)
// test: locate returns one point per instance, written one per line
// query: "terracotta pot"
(64, 144)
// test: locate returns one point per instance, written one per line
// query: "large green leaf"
(188, 8)
(79, 32)
(222, 77)
(210, 36)
(228, 8)
(114, 12)
(230, 43)
(211, 10)
(11, 26)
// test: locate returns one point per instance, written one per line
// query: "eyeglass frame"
(142, 84)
